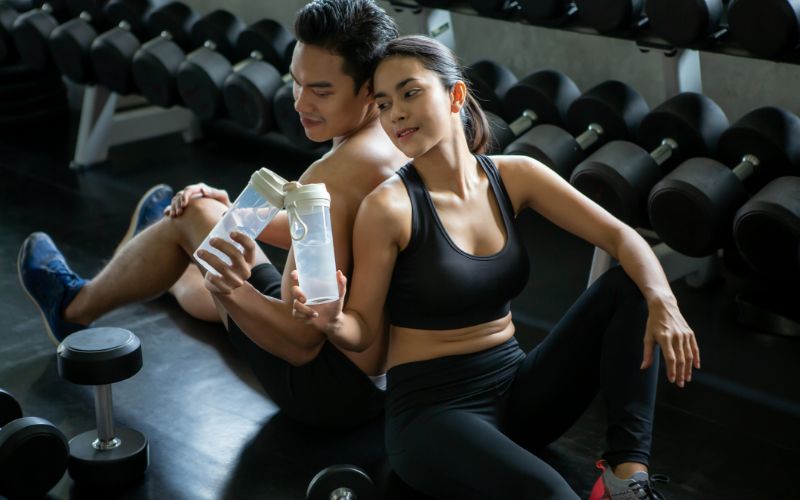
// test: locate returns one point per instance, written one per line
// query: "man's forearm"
(266, 320)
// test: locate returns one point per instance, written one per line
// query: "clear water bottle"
(250, 213)
(308, 208)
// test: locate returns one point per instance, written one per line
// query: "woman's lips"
(405, 133)
(309, 122)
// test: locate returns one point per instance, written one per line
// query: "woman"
(437, 243)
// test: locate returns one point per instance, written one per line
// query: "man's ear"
(458, 96)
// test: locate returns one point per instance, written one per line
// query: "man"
(309, 379)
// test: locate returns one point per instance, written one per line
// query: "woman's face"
(416, 111)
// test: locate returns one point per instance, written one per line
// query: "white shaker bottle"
(308, 208)
(253, 209)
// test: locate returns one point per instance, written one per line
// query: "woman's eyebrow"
(399, 86)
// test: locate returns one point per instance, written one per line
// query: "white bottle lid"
(312, 194)
(269, 185)
(306, 195)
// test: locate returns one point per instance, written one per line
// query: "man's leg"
(193, 296)
(148, 265)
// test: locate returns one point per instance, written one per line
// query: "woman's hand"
(234, 275)
(667, 328)
(324, 317)
(192, 191)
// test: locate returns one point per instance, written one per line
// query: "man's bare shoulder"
(361, 162)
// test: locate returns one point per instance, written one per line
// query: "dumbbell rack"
(104, 123)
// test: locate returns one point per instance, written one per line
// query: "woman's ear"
(458, 96)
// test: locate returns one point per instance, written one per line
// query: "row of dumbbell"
(214, 64)
(765, 28)
(34, 454)
(680, 168)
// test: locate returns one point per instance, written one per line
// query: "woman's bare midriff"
(407, 345)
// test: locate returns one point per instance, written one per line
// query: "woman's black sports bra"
(437, 286)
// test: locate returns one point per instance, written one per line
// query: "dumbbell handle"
(590, 136)
(664, 152)
(105, 421)
(524, 122)
(747, 167)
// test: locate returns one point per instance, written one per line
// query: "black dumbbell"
(341, 482)
(541, 97)
(245, 88)
(9, 11)
(216, 37)
(112, 51)
(489, 81)
(765, 27)
(156, 62)
(611, 110)
(35, 30)
(767, 230)
(33, 452)
(29, 26)
(620, 175)
(100, 357)
(693, 207)
(683, 22)
(549, 12)
(608, 16)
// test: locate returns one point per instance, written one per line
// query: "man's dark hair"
(356, 30)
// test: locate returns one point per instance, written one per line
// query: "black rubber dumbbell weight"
(100, 357)
(620, 175)
(765, 27)
(693, 208)
(766, 230)
(29, 26)
(245, 89)
(608, 16)
(684, 22)
(9, 12)
(341, 482)
(33, 452)
(112, 51)
(608, 111)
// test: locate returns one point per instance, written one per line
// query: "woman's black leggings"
(468, 426)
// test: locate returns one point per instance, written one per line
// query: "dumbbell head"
(156, 62)
(174, 18)
(489, 82)
(765, 27)
(682, 22)
(70, 46)
(249, 92)
(31, 31)
(33, 453)
(341, 482)
(609, 15)
(99, 356)
(220, 27)
(692, 207)
(130, 12)
(269, 39)
(8, 14)
(767, 230)
(547, 93)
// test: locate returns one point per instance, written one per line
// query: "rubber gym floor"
(732, 434)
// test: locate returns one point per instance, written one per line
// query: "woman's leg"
(461, 454)
(597, 345)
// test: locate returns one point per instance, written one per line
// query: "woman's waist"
(410, 345)
(450, 377)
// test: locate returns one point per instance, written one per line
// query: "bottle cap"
(269, 185)
(314, 194)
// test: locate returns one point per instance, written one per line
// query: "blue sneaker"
(149, 210)
(49, 282)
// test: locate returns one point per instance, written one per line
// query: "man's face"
(324, 95)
